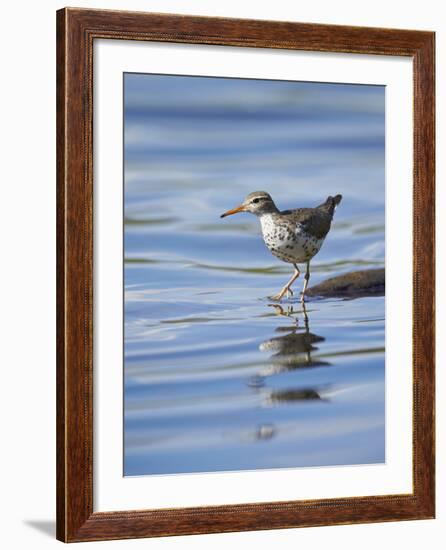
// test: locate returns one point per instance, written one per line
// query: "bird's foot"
(278, 297)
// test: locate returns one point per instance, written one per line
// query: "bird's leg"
(307, 278)
(306, 321)
(286, 288)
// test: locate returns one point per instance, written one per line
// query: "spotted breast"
(289, 241)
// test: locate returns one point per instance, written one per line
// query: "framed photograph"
(245, 275)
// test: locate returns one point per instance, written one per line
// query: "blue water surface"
(216, 377)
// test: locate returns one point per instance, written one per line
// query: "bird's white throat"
(267, 223)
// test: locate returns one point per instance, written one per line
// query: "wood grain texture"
(76, 31)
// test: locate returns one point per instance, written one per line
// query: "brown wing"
(314, 220)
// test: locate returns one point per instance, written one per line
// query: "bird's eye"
(256, 201)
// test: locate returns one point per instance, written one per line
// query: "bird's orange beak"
(240, 208)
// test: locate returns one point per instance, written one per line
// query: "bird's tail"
(331, 203)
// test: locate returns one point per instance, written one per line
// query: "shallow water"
(216, 377)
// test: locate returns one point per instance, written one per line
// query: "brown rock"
(366, 282)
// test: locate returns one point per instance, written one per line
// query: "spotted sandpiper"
(293, 236)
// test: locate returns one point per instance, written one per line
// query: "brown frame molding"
(76, 31)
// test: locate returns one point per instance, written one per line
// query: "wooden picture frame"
(76, 31)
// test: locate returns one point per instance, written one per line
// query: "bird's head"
(257, 203)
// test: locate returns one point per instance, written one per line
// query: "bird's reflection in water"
(294, 395)
(265, 432)
(291, 350)
(294, 348)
